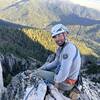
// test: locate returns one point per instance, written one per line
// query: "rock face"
(27, 86)
(1, 81)
(91, 90)
(12, 65)
(22, 83)
(15, 65)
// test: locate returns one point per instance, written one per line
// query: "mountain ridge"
(45, 12)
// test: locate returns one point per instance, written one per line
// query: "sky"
(88, 3)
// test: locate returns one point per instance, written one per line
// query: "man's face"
(59, 39)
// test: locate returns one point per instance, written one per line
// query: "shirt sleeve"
(66, 63)
(51, 65)
(54, 63)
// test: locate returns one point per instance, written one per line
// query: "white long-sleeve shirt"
(69, 60)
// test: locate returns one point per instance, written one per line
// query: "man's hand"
(43, 67)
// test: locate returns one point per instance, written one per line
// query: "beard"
(60, 43)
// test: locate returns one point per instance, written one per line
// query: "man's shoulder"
(70, 49)
(70, 45)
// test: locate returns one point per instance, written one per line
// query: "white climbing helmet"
(57, 29)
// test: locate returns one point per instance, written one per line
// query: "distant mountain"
(81, 21)
(42, 13)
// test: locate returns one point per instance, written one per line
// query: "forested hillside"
(17, 42)
(36, 43)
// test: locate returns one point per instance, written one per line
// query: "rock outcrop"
(12, 65)
(28, 86)
(1, 81)
(15, 65)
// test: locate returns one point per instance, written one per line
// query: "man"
(67, 61)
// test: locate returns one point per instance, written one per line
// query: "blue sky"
(88, 3)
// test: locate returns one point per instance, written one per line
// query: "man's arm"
(48, 66)
(53, 64)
